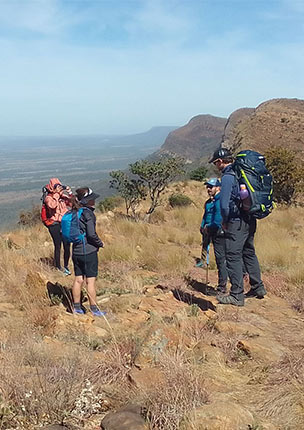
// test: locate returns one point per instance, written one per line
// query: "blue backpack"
(250, 169)
(70, 227)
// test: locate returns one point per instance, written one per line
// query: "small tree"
(286, 168)
(198, 174)
(157, 175)
(131, 190)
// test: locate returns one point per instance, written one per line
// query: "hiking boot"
(97, 312)
(258, 293)
(230, 300)
(221, 289)
(66, 271)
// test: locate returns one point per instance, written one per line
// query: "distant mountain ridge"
(200, 136)
(276, 122)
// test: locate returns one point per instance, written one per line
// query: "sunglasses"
(216, 161)
(209, 187)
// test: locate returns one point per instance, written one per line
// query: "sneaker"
(97, 312)
(78, 311)
(230, 300)
(66, 271)
(258, 293)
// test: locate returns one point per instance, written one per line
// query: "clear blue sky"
(106, 66)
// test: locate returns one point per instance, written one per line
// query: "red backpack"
(45, 213)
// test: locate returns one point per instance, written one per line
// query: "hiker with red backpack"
(56, 203)
(79, 228)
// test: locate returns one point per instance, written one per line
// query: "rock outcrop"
(274, 122)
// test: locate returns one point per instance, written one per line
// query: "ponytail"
(75, 203)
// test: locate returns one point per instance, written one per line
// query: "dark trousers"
(218, 242)
(220, 258)
(55, 232)
(239, 242)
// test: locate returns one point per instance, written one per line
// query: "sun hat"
(89, 195)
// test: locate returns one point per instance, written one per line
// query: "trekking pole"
(207, 264)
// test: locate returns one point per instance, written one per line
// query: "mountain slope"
(198, 138)
(274, 122)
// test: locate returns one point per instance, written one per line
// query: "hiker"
(58, 202)
(239, 228)
(84, 253)
(211, 230)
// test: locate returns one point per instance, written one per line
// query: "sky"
(87, 67)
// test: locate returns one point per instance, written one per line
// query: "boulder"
(36, 284)
(127, 418)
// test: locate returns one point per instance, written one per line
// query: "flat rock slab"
(219, 416)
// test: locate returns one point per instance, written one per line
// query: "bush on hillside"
(288, 173)
(30, 217)
(199, 174)
(157, 175)
(178, 200)
(131, 190)
(110, 203)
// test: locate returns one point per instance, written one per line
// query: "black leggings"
(54, 230)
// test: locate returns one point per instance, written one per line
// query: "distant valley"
(27, 163)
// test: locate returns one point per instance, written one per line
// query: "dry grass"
(46, 387)
(283, 398)
(181, 390)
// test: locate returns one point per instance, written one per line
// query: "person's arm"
(52, 200)
(203, 223)
(227, 183)
(216, 221)
(92, 236)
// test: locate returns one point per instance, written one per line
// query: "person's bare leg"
(76, 289)
(91, 290)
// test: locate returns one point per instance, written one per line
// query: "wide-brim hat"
(89, 195)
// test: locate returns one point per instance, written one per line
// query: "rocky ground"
(241, 353)
(166, 356)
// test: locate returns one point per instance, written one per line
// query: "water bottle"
(245, 197)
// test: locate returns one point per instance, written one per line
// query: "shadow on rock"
(191, 299)
(201, 287)
(58, 292)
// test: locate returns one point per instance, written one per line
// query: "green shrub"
(110, 203)
(199, 174)
(287, 170)
(177, 200)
